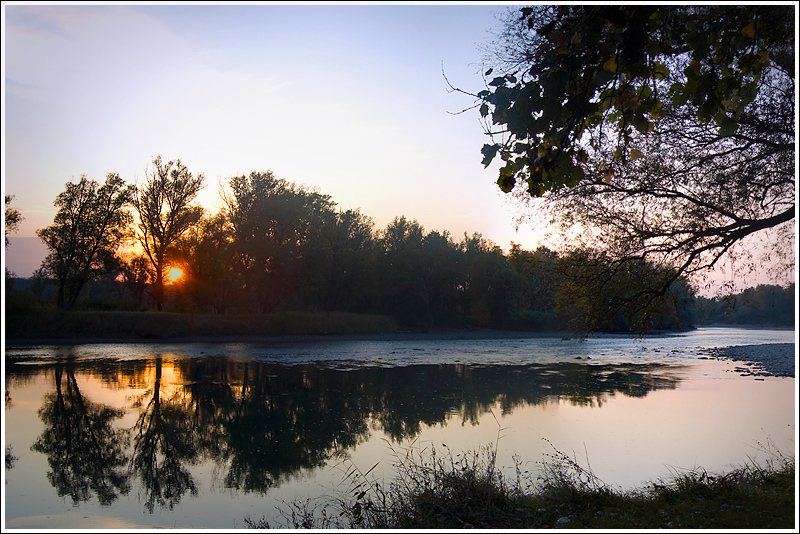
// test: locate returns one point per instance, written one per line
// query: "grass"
(446, 491)
(51, 323)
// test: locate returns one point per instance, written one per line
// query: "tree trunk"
(158, 290)
(60, 298)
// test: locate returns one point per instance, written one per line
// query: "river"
(202, 435)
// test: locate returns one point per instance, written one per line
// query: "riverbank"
(57, 326)
(52, 326)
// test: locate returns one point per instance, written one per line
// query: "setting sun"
(173, 275)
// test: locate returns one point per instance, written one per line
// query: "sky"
(349, 100)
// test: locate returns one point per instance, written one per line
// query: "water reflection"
(259, 423)
(85, 454)
(164, 443)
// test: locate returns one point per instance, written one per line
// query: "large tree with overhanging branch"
(666, 132)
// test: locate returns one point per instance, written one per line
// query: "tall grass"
(432, 489)
(436, 489)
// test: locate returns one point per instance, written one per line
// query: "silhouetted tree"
(13, 219)
(484, 260)
(90, 225)
(135, 273)
(273, 222)
(165, 213)
(402, 280)
(598, 293)
(764, 304)
(340, 260)
(539, 269)
(207, 253)
(443, 274)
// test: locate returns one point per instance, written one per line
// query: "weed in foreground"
(436, 489)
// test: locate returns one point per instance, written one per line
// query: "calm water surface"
(198, 435)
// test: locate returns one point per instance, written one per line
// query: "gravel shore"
(774, 359)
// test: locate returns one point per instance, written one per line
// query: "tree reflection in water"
(163, 443)
(261, 423)
(85, 454)
(286, 421)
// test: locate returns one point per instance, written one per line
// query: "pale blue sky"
(348, 99)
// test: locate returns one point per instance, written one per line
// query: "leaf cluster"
(579, 80)
(13, 218)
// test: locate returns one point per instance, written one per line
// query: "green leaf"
(680, 96)
(602, 77)
(704, 112)
(749, 31)
(506, 181)
(728, 126)
(497, 82)
(489, 152)
(641, 123)
(484, 109)
(575, 175)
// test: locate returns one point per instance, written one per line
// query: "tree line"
(277, 246)
(765, 304)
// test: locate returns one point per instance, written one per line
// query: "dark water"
(190, 436)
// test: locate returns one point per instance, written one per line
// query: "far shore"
(440, 334)
(49, 326)
(399, 335)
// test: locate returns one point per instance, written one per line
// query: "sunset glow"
(173, 275)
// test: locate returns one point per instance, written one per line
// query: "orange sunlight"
(173, 275)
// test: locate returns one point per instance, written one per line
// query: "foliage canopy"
(668, 128)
